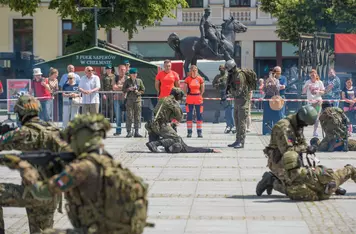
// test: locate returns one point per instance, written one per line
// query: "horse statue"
(190, 49)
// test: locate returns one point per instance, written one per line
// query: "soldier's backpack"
(251, 78)
(124, 196)
(332, 121)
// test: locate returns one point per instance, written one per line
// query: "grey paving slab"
(215, 193)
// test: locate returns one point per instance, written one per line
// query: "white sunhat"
(37, 71)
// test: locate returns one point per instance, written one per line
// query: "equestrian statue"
(212, 44)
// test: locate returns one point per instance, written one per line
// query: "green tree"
(127, 14)
(309, 16)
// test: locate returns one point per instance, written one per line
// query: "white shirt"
(318, 85)
(89, 84)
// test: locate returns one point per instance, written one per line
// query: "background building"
(260, 46)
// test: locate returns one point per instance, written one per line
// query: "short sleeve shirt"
(193, 86)
(282, 81)
(167, 82)
(349, 94)
(317, 85)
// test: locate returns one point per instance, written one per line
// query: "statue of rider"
(208, 30)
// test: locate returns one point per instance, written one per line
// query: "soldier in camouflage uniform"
(237, 85)
(34, 135)
(134, 88)
(101, 196)
(334, 123)
(106, 85)
(313, 183)
(162, 133)
(287, 135)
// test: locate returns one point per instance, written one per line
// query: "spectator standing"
(117, 85)
(270, 117)
(70, 109)
(53, 85)
(64, 78)
(127, 65)
(106, 85)
(249, 118)
(282, 88)
(194, 90)
(89, 86)
(314, 88)
(134, 88)
(333, 88)
(219, 83)
(42, 92)
(166, 80)
(348, 94)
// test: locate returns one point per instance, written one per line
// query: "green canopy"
(99, 57)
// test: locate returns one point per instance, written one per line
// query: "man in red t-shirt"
(166, 80)
(42, 92)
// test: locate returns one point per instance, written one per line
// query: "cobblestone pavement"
(215, 193)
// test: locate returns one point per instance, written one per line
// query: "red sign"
(16, 88)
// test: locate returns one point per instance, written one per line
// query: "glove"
(311, 149)
(12, 161)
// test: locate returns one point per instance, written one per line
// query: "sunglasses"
(70, 78)
(90, 70)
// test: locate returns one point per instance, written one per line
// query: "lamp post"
(96, 11)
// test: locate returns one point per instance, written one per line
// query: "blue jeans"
(118, 114)
(46, 110)
(229, 114)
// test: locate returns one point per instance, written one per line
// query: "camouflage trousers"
(277, 170)
(305, 193)
(326, 145)
(240, 115)
(162, 132)
(40, 213)
(133, 114)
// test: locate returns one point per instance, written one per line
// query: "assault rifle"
(53, 163)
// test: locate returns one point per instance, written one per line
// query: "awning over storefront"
(97, 57)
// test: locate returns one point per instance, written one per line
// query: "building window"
(152, 50)
(23, 35)
(195, 3)
(240, 3)
(289, 50)
(265, 49)
(68, 30)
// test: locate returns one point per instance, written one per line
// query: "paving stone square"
(215, 193)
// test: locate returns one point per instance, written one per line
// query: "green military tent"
(100, 57)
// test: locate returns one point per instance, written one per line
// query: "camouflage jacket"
(138, 85)
(96, 198)
(220, 81)
(237, 85)
(287, 137)
(106, 82)
(308, 184)
(167, 110)
(333, 122)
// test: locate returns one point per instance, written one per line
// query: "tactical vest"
(121, 203)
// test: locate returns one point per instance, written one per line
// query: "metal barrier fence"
(58, 106)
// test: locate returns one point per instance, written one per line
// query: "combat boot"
(137, 134)
(241, 145)
(200, 135)
(189, 135)
(152, 146)
(234, 144)
(129, 134)
(340, 191)
(265, 183)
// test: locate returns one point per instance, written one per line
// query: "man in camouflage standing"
(134, 89)
(34, 135)
(102, 196)
(237, 85)
(106, 85)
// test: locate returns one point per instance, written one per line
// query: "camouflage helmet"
(307, 114)
(95, 122)
(291, 160)
(27, 105)
(315, 141)
(229, 65)
(177, 93)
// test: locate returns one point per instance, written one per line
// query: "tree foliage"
(309, 16)
(127, 14)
